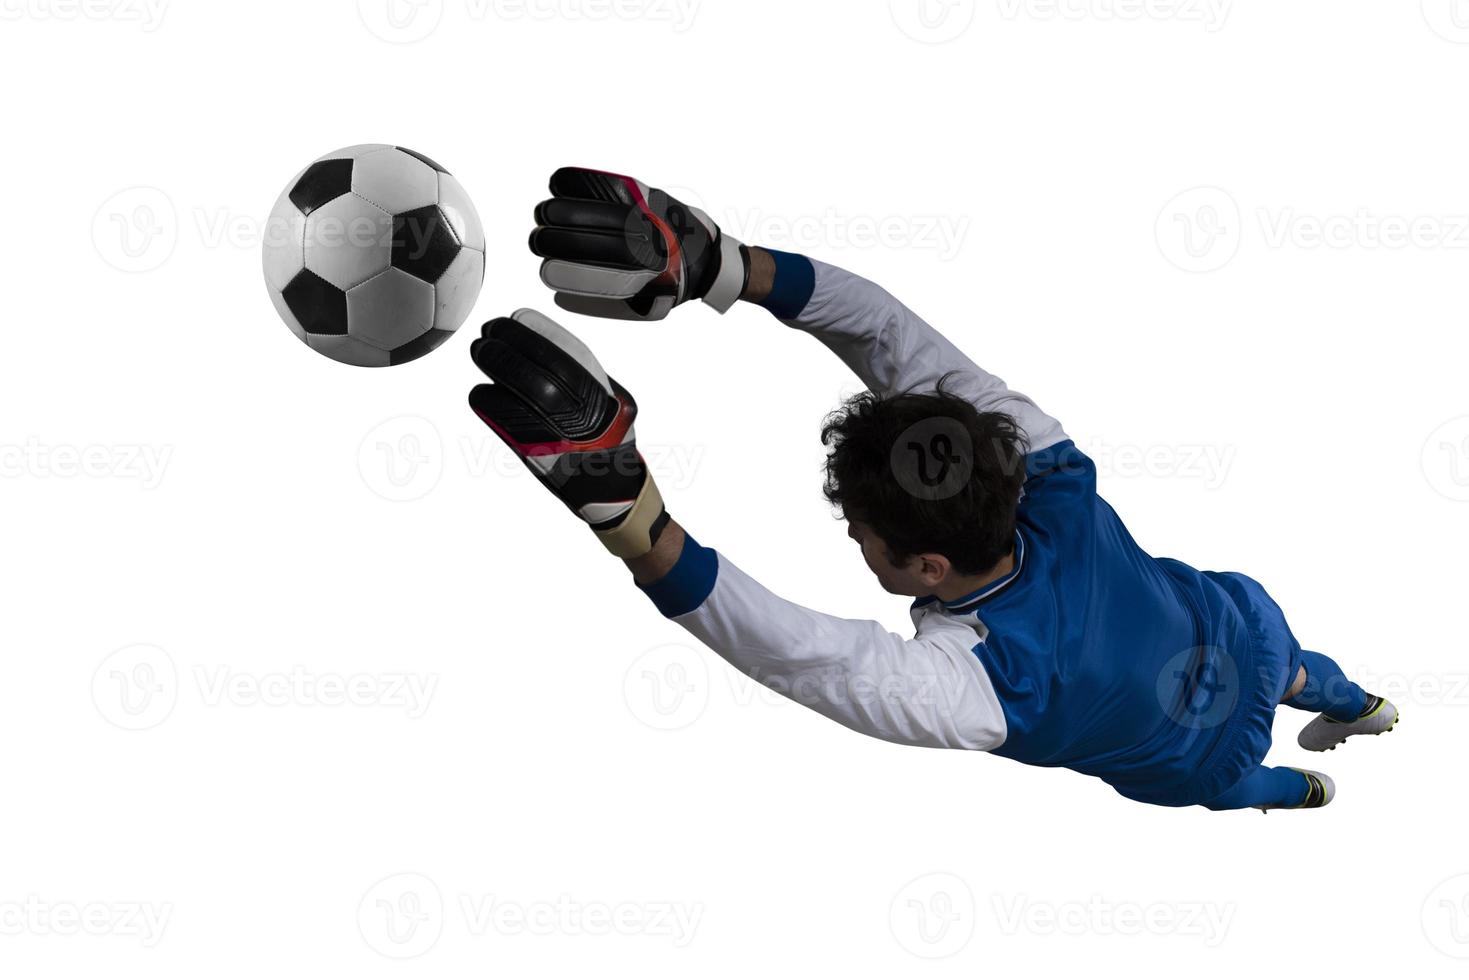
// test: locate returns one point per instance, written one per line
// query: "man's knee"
(1297, 686)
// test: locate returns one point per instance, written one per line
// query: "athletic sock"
(1328, 690)
(1264, 786)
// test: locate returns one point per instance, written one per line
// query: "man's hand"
(572, 425)
(614, 247)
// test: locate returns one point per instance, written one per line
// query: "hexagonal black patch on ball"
(318, 306)
(419, 156)
(423, 243)
(323, 181)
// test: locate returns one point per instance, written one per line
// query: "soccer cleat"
(1321, 792)
(1325, 733)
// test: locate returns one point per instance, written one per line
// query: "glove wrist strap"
(637, 532)
(730, 282)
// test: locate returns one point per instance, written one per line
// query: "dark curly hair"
(929, 473)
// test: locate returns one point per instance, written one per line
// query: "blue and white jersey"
(1091, 654)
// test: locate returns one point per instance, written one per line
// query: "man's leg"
(1345, 708)
(1326, 689)
(1275, 788)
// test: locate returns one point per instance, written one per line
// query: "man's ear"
(932, 569)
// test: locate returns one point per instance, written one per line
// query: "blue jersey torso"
(1145, 672)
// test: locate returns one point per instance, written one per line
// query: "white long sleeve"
(891, 348)
(929, 690)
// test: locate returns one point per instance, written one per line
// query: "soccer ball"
(374, 255)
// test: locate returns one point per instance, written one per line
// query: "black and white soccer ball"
(374, 255)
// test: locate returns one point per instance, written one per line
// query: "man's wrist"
(659, 561)
(759, 276)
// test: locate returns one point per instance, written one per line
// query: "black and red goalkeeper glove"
(615, 247)
(572, 425)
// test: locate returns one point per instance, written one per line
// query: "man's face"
(898, 579)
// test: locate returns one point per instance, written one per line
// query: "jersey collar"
(970, 602)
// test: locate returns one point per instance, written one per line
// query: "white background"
(1269, 372)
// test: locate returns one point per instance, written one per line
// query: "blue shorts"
(1277, 660)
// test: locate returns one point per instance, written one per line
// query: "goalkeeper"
(1043, 632)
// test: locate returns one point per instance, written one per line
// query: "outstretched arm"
(930, 690)
(886, 344)
(615, 247)
(554, 405)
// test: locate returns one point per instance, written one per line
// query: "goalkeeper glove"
(572, 425)
(614, 247)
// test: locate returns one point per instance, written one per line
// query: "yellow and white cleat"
(1324, 733)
